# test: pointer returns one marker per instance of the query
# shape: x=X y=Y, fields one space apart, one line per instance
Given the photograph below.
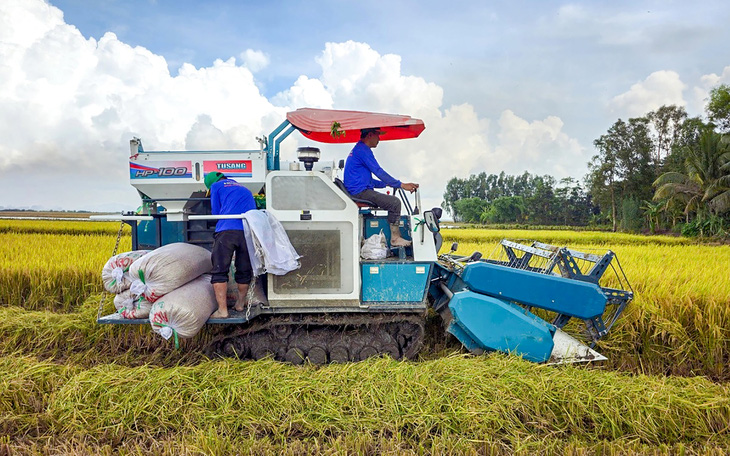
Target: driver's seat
x=360 y=202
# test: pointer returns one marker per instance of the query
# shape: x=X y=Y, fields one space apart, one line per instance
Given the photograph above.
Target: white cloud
x=203 y=135
x=357 y=77
x=305 y=92
x=69 y=105
x=254 y=60
x=539 y=147
x=712 y=80
x=700 y=94
x=456 y=140
x=659 y=88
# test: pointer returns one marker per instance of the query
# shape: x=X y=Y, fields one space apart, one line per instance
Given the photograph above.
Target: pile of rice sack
x=169 y=285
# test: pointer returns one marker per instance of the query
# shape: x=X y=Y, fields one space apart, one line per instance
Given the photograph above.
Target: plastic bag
x=374 y=247
x=268 y=244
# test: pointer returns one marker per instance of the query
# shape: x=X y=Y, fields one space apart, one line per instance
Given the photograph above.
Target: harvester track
x=322 y=339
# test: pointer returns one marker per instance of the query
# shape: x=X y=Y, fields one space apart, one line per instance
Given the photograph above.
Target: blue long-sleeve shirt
x=228 y=197
x=359 y=170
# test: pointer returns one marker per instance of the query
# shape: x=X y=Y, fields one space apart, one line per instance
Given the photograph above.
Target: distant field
x=50 y=214
x=70 y=386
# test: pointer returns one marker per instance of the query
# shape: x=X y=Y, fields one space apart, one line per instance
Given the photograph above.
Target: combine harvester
x=338 y=307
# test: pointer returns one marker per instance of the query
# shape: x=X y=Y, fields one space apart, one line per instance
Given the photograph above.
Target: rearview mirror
x=431 y=222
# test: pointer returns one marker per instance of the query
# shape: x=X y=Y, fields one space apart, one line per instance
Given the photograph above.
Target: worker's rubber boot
x=395 y=239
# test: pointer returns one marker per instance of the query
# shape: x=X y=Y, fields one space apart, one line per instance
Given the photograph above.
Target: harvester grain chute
x=340 y=307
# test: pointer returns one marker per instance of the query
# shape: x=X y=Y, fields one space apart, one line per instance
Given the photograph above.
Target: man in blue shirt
x=359 y=181
x=228 y=197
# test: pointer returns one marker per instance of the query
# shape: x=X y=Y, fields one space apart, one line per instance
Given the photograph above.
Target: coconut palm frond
x=721 y=202
x=671 y=190
x=672 y=177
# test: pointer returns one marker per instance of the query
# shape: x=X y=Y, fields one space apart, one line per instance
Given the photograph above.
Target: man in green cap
x=228 y=197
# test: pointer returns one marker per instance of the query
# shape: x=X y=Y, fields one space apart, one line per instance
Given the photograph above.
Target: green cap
x=212 y=178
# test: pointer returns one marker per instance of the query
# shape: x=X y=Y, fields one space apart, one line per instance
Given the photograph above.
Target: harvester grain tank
x=340 y=307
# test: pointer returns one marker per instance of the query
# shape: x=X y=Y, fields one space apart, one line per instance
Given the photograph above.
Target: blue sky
x=513 y=86
x=493 y=54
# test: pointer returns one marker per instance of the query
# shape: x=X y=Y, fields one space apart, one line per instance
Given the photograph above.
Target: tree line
x=525 y=199
x=658 y=172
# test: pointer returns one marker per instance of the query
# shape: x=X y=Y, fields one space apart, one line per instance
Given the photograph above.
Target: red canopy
x=333 y=126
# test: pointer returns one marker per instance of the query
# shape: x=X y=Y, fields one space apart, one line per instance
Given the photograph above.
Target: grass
x=475 y=398
x=49 y=271
x=560 y=238
x=72 y=227
x=679 y=322
x=76 y=338
x=207 y=443
x=71 y=386
x=463 y=402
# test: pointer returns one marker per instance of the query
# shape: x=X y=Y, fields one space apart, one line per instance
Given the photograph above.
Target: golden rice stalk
x=476 y=398
x=52 y=271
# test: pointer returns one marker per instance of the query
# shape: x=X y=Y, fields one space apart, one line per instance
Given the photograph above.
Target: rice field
x=70 y=386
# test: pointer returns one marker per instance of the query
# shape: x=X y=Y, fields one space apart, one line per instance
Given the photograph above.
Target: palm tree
x=652 y=211
x=718 y=192
x=705 y=188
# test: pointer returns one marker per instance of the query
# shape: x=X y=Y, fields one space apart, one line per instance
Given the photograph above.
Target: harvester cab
x=341 y=307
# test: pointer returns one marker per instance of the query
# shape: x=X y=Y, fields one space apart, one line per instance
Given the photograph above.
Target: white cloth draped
x=268 y=245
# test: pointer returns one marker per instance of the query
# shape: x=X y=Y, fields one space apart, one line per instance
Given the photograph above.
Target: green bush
x=632 y=220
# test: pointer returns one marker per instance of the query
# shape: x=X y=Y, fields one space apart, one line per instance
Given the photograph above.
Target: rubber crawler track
x=322 y=339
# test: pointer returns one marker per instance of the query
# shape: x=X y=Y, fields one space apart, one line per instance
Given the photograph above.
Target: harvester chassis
x=321 y=339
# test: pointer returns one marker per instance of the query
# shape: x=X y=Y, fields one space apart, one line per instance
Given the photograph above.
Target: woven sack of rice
x=130 y=307
x=182 y=312
x=167 y=268
x=115 y=273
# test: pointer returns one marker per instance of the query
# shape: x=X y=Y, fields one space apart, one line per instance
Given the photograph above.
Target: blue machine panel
x=171 y=232
x=394 y=282
x=566 y=296
x=493 y=324
x=373 y=225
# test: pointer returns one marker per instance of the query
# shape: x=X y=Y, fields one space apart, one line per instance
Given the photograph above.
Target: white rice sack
x=115 y=273
x=141 y=309
x=130 y=307
x=182 y=312
x=124 y=300
x=167 y=268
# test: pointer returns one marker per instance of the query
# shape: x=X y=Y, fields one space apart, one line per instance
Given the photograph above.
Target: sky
x=509 y=86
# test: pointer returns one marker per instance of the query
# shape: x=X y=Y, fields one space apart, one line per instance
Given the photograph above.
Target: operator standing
x=360 y=167
x=228 y=197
